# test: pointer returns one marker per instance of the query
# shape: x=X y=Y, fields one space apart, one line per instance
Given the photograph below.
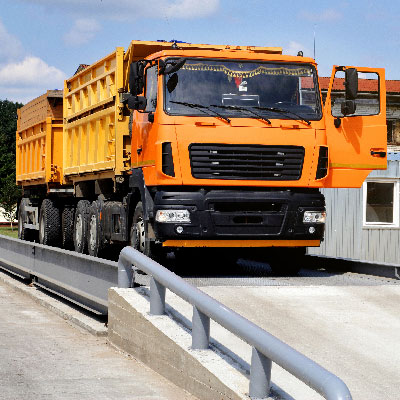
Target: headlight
x=173 y=216
x=314 y=217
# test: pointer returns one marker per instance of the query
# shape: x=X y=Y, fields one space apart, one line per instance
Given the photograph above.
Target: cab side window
x=367 y=101
x=151 y=88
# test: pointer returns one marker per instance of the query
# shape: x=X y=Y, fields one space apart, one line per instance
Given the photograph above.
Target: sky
x=42 y=42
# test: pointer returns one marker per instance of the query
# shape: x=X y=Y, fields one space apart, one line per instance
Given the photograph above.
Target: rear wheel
x=95 y=234
x=81 y=226
x=67 y=227
x=49 y=223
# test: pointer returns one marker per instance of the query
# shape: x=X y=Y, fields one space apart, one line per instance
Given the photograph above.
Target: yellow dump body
x=39 y=141
x=96 y=136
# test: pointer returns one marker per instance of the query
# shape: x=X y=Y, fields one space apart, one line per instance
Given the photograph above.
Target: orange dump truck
x=168 y=146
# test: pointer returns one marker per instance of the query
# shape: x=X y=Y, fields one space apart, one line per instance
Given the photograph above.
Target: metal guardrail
x=80 y=278
x=85 y=280
x=265 y=347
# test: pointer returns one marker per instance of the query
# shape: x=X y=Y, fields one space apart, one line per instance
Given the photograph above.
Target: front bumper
x=240 y=215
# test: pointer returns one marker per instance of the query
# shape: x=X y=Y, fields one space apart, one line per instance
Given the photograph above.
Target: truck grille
x=251 y=162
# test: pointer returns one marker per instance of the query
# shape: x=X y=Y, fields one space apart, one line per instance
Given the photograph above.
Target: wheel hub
x=140 y=236
x=41 y=230
x=79 y=230
x=93 y=233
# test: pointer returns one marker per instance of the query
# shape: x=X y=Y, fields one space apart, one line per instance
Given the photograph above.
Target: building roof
x=364 y=85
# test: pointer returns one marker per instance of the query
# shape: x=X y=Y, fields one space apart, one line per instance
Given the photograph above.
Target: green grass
x=6 y=230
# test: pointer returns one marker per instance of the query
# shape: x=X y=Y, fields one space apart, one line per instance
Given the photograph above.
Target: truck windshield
x=233 y=87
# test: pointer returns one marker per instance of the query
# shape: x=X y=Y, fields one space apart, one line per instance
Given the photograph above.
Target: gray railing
x=265 y=347
x=86 y=280
x=80 y=278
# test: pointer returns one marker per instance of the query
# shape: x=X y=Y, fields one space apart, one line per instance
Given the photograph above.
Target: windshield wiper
x=283 y=111
x=243 y=109
x=202 y=109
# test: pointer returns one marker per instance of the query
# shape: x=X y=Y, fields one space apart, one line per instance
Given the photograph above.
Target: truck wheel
x=287 y=262
x=67 y=227
x=139 y=237
x=49 y=223
x=81 y=226
x=95 y=234
x=24 y=233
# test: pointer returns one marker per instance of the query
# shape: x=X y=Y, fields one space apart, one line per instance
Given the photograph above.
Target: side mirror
x=137 y=102
x=351 y=83
x=171 y=67
x=348 y=107
x=172 y=83
x=136 y=78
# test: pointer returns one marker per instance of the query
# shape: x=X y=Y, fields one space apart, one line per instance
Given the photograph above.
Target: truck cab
x=233 y=149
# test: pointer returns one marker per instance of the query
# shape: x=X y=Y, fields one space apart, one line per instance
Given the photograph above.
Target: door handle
x=378 y=153
x=139 y=150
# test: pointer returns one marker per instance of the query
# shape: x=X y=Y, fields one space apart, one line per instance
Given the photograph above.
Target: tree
x=8 y=126
x=9 y=192
x=9 y=196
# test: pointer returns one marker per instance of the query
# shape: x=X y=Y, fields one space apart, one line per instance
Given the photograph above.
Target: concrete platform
x=354 y=332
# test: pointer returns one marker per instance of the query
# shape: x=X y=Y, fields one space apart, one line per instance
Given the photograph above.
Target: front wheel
x=139 y=238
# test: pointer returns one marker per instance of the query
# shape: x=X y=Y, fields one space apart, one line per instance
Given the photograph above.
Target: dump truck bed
x=39 y=141
x=96 y=136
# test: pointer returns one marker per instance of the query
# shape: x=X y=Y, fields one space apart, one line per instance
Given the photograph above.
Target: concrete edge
x=165 y=346
x=384 y=270
x=68 y=312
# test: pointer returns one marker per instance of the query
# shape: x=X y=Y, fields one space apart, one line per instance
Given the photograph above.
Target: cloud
x=327 y=15
x=30 y=73
x=10 y=47
x=127 y=10
x=83 y=30
x=294 y=47
x=191 y=8
x=24 y=76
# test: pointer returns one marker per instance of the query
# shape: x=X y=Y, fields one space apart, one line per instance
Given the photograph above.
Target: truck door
x=142 y=124
x=357 y=142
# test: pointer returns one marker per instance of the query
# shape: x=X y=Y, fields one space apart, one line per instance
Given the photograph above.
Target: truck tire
x=49 y=223
x=24 y=233
x=81 y=226
x=287 y=262
x=139 y=237
x=67 y=227
x=95 y=232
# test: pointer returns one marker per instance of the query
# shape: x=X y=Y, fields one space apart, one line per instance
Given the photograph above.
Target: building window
x=381 y=203
x=390 y=130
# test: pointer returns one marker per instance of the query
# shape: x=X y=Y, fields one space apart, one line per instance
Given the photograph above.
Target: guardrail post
x=200 y=330
x=157 y=297
x=260 y=375
x=126 y=274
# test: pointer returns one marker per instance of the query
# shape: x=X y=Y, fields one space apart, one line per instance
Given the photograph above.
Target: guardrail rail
x=79 y=278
